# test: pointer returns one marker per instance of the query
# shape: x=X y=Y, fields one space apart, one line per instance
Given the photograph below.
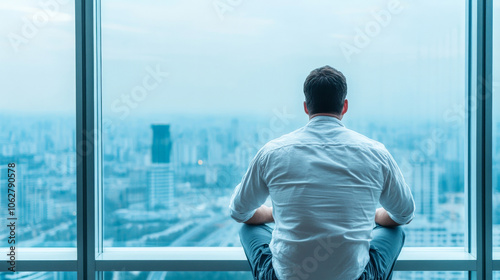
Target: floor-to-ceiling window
x=37 y=124
x=207 y=84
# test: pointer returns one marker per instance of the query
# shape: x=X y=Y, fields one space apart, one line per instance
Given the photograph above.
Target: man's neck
x=325 y=114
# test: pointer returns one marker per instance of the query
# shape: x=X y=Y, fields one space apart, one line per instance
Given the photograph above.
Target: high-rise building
x=162 y=144
x=425 y=182
x=160 y=175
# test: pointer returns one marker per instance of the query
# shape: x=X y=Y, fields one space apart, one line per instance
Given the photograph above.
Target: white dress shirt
x=325 y=182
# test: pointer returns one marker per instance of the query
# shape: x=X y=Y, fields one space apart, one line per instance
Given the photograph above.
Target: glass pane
x=177 y=275
x=430 y=275
x=208 y=85
x=496 y=125
x=39 y=275
x=37 y=121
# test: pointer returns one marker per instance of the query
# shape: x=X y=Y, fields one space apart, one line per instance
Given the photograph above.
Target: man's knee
x=394 y=234
x=247 y=231
x=399 y=234
x=244 y=229
x=403 y=233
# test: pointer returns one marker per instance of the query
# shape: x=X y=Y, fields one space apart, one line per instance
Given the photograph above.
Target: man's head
x=325 y=90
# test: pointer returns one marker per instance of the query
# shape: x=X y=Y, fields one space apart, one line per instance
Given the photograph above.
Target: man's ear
x=305 y=108
x=346 y=106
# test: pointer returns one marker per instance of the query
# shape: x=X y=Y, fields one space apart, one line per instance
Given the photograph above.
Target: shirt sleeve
x=396 y=196
x=250 y=194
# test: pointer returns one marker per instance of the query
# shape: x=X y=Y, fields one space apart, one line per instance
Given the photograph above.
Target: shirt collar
x=323 y=119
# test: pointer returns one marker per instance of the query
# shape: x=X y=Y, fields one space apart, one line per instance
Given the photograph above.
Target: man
x=325 y=182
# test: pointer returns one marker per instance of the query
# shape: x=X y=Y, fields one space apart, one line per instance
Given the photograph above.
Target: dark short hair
x=325 y=89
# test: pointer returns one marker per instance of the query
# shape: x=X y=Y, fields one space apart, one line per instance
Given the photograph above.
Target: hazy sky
x=249 y=58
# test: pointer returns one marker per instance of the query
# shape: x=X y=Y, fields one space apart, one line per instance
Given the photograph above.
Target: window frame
x=89 y=259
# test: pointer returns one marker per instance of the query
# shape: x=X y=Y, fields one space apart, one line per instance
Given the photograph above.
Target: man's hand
x=382 y=218
x=263 y=215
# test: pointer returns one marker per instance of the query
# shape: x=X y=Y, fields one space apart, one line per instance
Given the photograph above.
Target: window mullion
x=481 y=108
x=86 y=128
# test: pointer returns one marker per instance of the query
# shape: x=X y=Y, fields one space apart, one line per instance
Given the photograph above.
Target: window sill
x=233 y=259
x=210 y=259
x=41 y=259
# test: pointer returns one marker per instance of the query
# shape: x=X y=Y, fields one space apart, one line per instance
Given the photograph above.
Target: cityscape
x=167 y=181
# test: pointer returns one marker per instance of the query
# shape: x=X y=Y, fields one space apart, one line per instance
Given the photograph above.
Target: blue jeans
x=385 y=247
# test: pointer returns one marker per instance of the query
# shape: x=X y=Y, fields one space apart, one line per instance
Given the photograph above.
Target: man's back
x=325 y=182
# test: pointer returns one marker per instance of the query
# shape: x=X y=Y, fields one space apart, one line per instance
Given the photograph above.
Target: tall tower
x=161 y=172
x=162 y=144
x=425 y=183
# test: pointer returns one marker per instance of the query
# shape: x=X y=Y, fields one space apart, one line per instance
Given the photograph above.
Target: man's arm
x=382 y=218
x=250 y=195
x=263 y=215
x=396 y=198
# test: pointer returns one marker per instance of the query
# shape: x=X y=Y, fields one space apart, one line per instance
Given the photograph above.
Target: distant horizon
x=298 y=118
x=301 y=117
